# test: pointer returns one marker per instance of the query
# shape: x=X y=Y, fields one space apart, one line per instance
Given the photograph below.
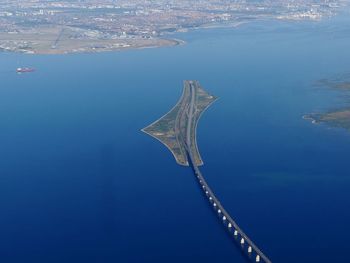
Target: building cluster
x=151 y=18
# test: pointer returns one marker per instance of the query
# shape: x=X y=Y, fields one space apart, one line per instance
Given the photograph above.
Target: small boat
x=24 y=70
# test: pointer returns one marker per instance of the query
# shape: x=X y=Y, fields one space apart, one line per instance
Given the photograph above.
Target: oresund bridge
x=177 y=131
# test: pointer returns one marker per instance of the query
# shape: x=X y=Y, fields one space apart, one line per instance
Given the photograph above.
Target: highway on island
x=182 y=130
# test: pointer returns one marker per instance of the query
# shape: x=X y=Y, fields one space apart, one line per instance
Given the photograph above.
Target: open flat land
x=61 y=40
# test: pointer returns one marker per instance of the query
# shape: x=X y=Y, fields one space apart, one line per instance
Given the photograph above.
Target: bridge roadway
x=250 y=249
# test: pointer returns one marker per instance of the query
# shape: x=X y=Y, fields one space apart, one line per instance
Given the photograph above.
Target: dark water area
x=79 y=182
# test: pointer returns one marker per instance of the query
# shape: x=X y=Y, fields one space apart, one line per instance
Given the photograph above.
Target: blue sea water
x=79 y=182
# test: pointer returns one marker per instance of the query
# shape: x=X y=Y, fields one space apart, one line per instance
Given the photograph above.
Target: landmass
x=172 y=128
x=340 y=83
x=57 y=27
x=62 y=40
x=341 y=116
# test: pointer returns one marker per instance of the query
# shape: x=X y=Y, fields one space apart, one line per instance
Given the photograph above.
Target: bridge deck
x=226 y=218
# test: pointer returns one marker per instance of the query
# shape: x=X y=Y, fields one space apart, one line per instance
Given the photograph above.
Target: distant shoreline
x=110 y=46
x=88 y=46
x=114 y=46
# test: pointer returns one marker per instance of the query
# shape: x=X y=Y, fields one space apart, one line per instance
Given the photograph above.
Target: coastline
x=88 y=46
x=339 y=116
x=165 y=41
x=160 y=42
x=309 y=117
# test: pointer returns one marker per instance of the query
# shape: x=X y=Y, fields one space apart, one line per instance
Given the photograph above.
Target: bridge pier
x=242 y=241
x=235 y=233
x=229 y=225
x=257 y=259
x=249 y=249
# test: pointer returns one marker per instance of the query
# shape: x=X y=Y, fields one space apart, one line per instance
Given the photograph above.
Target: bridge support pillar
x=242 y=241
x=235 y=233
x=229 y=225
x=249 y=249
x=224 y=218
x=257 y=259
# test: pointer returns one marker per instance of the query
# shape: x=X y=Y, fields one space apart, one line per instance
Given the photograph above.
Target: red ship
x=24 y=70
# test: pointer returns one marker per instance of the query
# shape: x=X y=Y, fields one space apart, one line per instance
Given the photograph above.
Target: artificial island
x=172 y=127
x=177 y=131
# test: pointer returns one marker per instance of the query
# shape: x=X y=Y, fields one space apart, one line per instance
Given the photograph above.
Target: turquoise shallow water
x=79 y=182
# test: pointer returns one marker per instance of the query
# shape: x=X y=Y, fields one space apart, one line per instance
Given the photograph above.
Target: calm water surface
x=79 y=182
